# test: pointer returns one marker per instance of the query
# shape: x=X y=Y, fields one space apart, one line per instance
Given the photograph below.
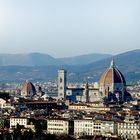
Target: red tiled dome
x=28 y=87
x=112 y=75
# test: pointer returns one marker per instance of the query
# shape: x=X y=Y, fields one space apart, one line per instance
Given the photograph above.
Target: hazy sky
x=69 y=27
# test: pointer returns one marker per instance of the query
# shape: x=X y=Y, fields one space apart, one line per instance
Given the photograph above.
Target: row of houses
x=128 y=129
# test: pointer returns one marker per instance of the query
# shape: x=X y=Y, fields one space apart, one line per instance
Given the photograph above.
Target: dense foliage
x=17 y=134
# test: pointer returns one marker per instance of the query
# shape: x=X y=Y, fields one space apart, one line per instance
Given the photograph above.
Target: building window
x=61 y=80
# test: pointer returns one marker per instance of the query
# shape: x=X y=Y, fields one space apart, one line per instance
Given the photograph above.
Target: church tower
x=87 y=92
x=62 y=80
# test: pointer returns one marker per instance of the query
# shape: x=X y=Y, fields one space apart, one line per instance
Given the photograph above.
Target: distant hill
x=39 y=59
x=128 y=63
x=84 y=59
x=31 y=59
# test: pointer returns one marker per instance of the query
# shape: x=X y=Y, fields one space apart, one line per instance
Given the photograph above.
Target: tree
x=50 y=137
x=38 y=130
x=8 y=136
x=66 y=137
x=17 y=135
x=28 y=135
x=1 y=137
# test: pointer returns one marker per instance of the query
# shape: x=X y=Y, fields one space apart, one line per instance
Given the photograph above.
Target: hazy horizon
x=69 y=28
x=24 y=53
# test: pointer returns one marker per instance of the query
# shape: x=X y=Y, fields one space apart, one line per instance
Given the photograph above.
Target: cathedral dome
x=112 y=75
x=28 y=89
x=112 y=85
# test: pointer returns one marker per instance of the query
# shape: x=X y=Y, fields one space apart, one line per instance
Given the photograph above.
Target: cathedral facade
x=111 y=88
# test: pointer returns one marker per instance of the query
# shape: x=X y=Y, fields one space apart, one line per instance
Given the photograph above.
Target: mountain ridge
x=84 y=59
x=128 y=63
x=42 y=59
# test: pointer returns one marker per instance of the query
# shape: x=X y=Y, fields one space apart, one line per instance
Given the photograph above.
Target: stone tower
x=87 y=92
x=62 y=80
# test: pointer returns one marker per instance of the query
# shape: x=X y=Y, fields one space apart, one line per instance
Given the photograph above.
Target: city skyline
x=69 y=28
x=69 y=69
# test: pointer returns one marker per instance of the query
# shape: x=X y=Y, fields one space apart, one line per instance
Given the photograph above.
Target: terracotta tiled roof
x=28 y=86
x=112 y=75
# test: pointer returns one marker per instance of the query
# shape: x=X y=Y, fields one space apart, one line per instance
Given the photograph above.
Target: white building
x=104 y=128
x=88 y=107
x=2 y=103
x=129 y=129
x=83 y=127
x=5 y=105
x=62 y=84
x=97 y=127
x=108 y=128
x=90 y=127
x=58 y=126
x=21 y=121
